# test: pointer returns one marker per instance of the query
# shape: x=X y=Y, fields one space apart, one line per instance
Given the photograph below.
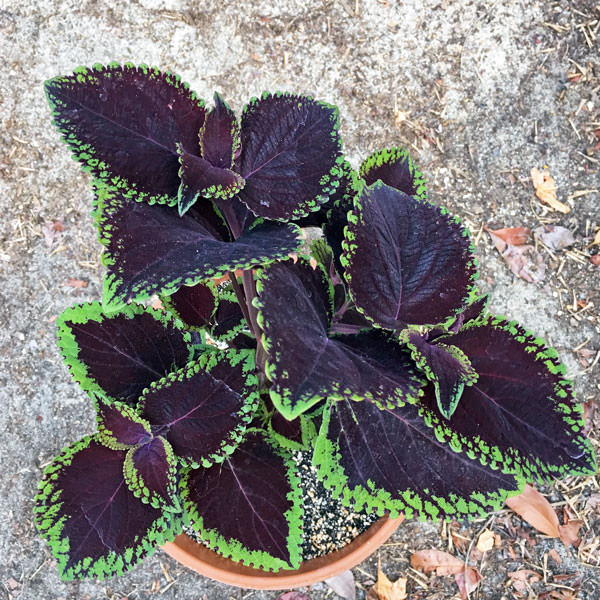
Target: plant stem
x=251 y=293
x=239 y=294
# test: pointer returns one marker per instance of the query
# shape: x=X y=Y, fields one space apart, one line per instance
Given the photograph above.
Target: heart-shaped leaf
x=258 y=485
x=368 y=456
x=199 y=178
x=123 y=123
x=150 y=249
x=291 y=155
x=521 y=407
x=150 y=473
x=119 y=355
x=95 y=526
x=429 y=264
x=305 y=365
x=395 y=168
x=446 y=366
x=203 y=409
x=220 y=135
x=120 y=427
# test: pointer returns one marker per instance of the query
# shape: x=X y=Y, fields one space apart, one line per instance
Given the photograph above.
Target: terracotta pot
x=209 y=563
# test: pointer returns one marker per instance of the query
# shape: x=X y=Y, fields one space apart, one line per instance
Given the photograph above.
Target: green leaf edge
x=393 y=155
x=233 y=548
x=94 y=311
x=164 y=529
x=84 y=154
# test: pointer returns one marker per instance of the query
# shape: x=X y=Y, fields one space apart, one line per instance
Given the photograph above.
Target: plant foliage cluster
x=376 y=352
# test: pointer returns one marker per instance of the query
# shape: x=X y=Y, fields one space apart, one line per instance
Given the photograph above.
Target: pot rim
x=210 y=564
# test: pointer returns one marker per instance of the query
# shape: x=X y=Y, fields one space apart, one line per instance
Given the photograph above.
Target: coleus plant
x=376 y=353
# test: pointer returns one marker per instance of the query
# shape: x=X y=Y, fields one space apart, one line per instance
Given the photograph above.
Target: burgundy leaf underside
x=514 y=402
x=253 y=485
x=289 y=143
x=125 y=355
x=383 y=446
x=428 y=262
x=132 y=119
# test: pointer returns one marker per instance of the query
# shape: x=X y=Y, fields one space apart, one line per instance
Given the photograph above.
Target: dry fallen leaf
x=554 y=236
x=293 y=596
x=343 y=585
x=53 y=231
x=536 y=510
x=522 y=260
x=512 y=235
x=545 y=189
x=439 y=561
x=76 y=283
x=522 y=579
x=386 y=590
x=486 y=541
x=569 y=533
x=467 y=580
x=555 y=556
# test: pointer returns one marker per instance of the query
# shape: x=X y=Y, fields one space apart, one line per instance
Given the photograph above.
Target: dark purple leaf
x=291 y=155
x=123 y=123
x=261 y=493
x=120 y=426
x=150 y=473
x=204 y=409
x=522 y=407
x=200 y=178
x=406 y=260
x=120 y=354
x=403 y=459
x=305 y=365
x=395 y=168
x=95 y=526
x=220 y=135
x=193 y=305
x=445 y=365
x=150 y=249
